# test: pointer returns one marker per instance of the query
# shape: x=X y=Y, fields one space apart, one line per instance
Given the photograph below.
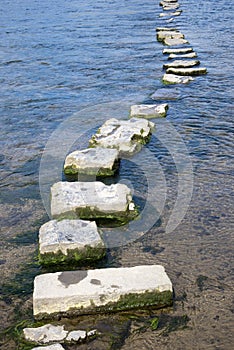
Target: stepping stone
x=149 y=111
x=92 y=161
x=162 y=36
x=92 y=200
x=76 y=336
x=100 y=290
x=175 y=79
x=45 y=334
x=175 y=41
x=178 y=51
x=186 y=55
x=176 y=13
x=187 y=71
x=69 y=241
x=181 y=64
x=127 y=136
x=166 y=29
x=165 y=94
x=169 y=7
x=50 y=347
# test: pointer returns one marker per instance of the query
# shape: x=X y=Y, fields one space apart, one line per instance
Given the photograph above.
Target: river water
x=59 y=57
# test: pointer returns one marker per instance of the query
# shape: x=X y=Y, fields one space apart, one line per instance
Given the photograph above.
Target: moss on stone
x=101 y=172
x=85 y=254
x=129 y=301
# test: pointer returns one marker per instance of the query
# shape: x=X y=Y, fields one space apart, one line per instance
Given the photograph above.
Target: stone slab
x=187 y=71
x=175 y=41
x=176 y=79
x=186 y=55
x=92 y=161
x=70 y=240
x=177 y=50
x=127 y=136
x=45 y=334
x=149 y=111
x=50 y=347
x=100 y=290
x=165 y=94
x=167 y=29
x=163 y=35
x=181 y=64
x=91 y=200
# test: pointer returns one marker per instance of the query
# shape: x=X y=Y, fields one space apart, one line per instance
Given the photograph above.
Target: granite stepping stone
x=187 y=71
x=163 y=35
x=127 y=136
x=100 y=290
x=181 y=64
x=92 y=200
x=186 y=55
x=166 y=29
x=177 y=50
x=69 y=241
x=176 y=79
x=97 y=161
x=149 y=111
x=175 y=41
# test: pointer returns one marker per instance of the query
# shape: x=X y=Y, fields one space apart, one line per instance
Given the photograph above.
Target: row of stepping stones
x=73 y=236
x=183 y=63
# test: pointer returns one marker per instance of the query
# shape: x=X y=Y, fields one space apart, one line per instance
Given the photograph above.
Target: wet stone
x=91 y=200
x=166 y=29
x=175 y=41
x=127 y=136
x=181 y=64
x=149 y=111
x=176 y=79
x=70 y=240
x=138 y=287
x=76 y=336
x=186 y=55
x=45 y=334
x=165 y=94
x=163 y=35
x=92 y=161
x=187 y=71
x=178 y=51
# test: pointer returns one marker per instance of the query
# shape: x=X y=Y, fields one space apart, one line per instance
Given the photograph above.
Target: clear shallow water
x=56 y=58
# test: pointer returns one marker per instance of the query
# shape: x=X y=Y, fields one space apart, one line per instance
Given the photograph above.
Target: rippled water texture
x=57 y=57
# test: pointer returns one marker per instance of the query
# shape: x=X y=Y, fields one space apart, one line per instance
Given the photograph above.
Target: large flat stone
x=181 y=64
x=101 y=290
x=176 y=79
x=187 y=71
x=92 y=161
x=165 y=94
x=186 y=55
x=127 y=136
x=177 y=50
x=149 y=111
x=167 y=29
x=70 y=240
x=91 y=200
x=163 y=35
x=175 y=41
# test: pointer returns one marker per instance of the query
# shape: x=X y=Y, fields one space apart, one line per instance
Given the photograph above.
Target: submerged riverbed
x=59 y=57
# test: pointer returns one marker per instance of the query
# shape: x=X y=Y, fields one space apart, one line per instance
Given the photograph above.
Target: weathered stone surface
x=149 y=111
x=70 y=240
x=178 y=51
x=175 y=41
x=127 y=136
x=169 y=5
x=166 y=29
x=187 y=71
x=181 y=64
x=186 y=55
x=163 y=35
x=76 y=336
x=110 y=289
x=168 y=14
x=92 y=161
x=175 y=79
x=165 y=94
x=45 y=334
x=91 y=200
x=50 y=347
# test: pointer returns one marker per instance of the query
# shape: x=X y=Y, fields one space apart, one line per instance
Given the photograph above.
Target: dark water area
x=59 y=57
